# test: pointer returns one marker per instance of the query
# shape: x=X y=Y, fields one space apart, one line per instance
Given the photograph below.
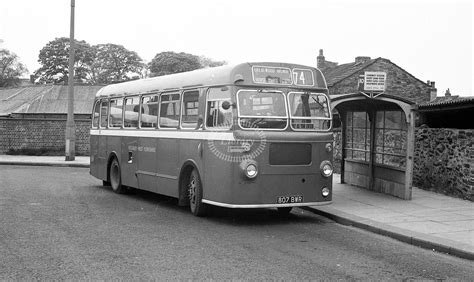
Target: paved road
x=60 y=223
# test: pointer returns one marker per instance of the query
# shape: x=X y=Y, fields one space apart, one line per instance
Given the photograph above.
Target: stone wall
x=41 y=132
x=444 y=161
x=399 y=83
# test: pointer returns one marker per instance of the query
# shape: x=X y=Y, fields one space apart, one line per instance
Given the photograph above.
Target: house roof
x=447 y=102
x=46 y=99
x=335 y=74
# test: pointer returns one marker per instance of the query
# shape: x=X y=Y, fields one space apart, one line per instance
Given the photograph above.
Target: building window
x=391 y=138
x=357 y=145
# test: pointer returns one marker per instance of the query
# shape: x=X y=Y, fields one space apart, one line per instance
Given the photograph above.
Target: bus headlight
x=249 y=168
x=326 y=168
x=325 y=192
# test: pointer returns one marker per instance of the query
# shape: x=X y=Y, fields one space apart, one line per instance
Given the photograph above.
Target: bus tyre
x=284 y=211
x=198 y=208
x=115 y=177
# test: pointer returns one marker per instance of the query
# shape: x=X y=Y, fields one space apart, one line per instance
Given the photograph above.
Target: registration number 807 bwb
x=289 y=199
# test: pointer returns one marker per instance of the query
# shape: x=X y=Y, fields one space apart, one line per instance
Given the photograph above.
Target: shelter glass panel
x=357 y=145
x=391 y=138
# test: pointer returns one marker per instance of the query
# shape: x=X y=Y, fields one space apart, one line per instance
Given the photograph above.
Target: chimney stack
x=361 y=59
x=321 y=60
x=448 y=93
x=433 y=90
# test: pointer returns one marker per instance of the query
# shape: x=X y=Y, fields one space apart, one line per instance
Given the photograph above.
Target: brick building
x=378 y=144
x=377 y=130
x=33 y=118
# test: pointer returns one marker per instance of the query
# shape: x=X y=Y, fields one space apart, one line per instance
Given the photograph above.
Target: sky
x=431 y=39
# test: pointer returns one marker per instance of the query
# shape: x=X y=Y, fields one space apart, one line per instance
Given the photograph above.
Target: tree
x=10 y=68
x=170 y=62
x=54 y=60
x=210 y=63
x=115 y=63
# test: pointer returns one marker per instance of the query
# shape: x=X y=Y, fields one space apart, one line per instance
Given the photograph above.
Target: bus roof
x=241 y=74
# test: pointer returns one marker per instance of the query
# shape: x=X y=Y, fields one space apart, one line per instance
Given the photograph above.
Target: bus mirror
x=226 y=105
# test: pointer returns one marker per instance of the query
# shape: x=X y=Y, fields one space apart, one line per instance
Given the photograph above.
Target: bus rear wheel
x=115 y=177
x=198 y=208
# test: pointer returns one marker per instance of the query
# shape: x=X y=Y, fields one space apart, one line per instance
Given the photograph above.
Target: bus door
x=147 y=144
x=130 y=141
x=167 y=148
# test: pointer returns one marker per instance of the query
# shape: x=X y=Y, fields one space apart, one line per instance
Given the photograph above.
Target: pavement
x=430 y=220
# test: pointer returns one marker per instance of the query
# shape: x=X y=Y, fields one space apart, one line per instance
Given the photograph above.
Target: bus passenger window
x=216 y=115
x=169 y=111
x=103 y=113
x=95 y=115
x=190 y=109
x=115 y=119
x=131 y=109
x=149 y=112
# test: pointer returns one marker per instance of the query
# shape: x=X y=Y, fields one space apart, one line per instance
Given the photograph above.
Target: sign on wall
x=372 y=83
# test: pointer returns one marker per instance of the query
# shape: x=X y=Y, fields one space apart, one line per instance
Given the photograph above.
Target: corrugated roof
x=46 y=99
x=445 y=101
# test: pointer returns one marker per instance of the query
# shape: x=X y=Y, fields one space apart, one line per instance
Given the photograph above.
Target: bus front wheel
x=198 y=208
x=115 y=177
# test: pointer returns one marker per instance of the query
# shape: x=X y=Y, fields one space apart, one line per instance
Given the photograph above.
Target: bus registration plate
x=289 y=199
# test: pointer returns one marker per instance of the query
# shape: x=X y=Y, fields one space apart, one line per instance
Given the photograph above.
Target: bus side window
x=116 y=111
x=149 y=112
x=169 y=111
x=216 y=115
x=131 y=109
x=104 y=105
x=190 y=109
x=95 y=115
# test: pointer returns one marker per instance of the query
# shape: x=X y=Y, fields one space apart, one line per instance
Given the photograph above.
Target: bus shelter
x=377 y=145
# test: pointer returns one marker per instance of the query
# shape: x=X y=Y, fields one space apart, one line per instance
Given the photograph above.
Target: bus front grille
x=290 y=154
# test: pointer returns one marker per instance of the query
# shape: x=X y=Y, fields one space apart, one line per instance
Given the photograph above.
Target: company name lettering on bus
x=142 y=149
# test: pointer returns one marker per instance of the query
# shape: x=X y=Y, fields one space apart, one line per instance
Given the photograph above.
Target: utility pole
x=70 y=125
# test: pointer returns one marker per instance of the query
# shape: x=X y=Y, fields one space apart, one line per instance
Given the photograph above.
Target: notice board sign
x=374 y=81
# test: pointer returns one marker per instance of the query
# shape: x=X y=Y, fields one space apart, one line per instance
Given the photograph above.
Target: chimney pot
x=447 y=93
